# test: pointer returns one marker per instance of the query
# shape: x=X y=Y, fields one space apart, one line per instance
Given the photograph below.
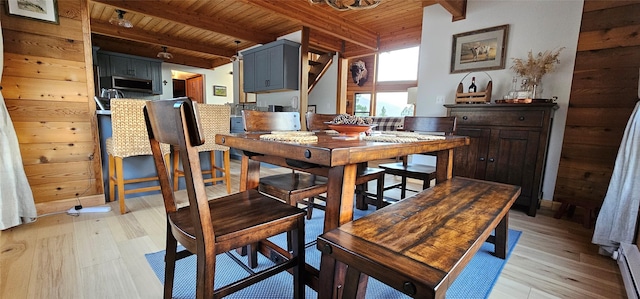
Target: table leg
x=339 y=210
x=444 y=165
x=502 y=234
x=341 y=186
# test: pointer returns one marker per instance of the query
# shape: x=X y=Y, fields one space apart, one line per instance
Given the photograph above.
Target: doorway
x=189 y=85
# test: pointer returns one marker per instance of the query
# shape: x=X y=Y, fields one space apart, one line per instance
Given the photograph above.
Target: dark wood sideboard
x=508 y=145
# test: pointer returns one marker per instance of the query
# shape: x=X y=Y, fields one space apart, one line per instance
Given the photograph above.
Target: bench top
x=427 y=238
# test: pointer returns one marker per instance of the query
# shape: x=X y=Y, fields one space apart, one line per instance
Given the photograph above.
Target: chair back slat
x=317 y=121
x=264 y=121
x=176 y=122
x=446 y=124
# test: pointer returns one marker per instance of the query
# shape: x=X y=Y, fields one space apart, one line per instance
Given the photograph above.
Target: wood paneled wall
x=603 y=94
x=48 y=88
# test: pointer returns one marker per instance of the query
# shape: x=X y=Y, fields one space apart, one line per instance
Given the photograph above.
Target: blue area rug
x=475 y=281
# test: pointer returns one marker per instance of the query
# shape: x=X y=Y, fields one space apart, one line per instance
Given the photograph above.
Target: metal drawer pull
x=521 y=118
x=491 y=160
x=481 y=158
x=465 y=117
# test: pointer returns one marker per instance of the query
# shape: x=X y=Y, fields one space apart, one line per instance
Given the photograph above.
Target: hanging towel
x=16 y=199
x=616 y=221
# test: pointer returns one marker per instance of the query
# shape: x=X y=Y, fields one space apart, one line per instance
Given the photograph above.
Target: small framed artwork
x=220 y=91
x=479 y=50
x=311 y=108
x=42 y=10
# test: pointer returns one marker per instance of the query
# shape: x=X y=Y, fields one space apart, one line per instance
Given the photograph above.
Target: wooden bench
x=418 y=245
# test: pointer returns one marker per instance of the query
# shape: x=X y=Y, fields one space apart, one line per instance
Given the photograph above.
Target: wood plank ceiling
x=203 y=33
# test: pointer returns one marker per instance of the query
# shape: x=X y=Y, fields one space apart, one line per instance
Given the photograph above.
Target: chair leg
x=169 y=263
x=205 y=276
x=112 y=171
x=120 y=184
x=227 y=172
x=403 y=185
x=213 y=167
x=380 y=192
x=176 y=170
x=298 y=252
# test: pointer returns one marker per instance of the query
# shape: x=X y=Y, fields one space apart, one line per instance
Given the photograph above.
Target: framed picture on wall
x=42 y=10
x=479 y=50
x=220 y=91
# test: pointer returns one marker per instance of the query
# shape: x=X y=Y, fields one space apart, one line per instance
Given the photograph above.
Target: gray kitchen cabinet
x=117 y=64
x=237 y=126
x=272 y=67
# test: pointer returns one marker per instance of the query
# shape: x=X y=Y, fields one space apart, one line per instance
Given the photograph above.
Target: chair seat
x=415 y=171
x=293 y=186
x=245 y=215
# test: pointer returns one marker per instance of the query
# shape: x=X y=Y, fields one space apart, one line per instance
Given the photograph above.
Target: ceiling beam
x=135 y=34
x=457 y=8
x=219 y=25
x=138 y=49
x=303 y=11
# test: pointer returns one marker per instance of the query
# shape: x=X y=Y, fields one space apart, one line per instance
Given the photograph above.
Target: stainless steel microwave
x=125 y=83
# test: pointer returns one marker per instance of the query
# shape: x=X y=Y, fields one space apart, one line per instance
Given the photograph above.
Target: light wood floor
x=101 y=255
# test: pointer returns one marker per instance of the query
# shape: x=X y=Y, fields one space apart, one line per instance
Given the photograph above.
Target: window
x=399 y=65
x=363 y=104
x=393 y=104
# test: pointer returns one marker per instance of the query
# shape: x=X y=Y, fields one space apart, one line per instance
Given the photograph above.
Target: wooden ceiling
x=202 y=33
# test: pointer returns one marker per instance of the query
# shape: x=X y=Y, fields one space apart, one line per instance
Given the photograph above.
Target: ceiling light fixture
x=237 y=56
x=343 y=5
x=164 y=54
x=120 y=20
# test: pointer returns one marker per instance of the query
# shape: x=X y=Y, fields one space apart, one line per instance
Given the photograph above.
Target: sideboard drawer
x=512 y=118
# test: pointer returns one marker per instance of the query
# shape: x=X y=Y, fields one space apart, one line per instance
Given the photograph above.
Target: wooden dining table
x=336 y=158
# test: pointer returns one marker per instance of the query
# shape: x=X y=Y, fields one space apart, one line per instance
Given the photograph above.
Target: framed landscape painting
x=43 y=10
x=220 y=91
x=479 y=50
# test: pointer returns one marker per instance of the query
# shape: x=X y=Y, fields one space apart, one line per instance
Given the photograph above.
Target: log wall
x=48 y=89
x=603 y=94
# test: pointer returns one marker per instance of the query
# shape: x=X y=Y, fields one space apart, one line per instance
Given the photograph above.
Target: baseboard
x=65 y=204
x=629 y=263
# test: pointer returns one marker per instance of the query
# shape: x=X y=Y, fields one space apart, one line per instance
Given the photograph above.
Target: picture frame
x=311 y=108
x=41 y=10
x=479 y=50
x=220 y=91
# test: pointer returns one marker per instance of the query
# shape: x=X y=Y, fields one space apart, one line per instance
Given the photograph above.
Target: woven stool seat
x=214 y=119
x=129 y=139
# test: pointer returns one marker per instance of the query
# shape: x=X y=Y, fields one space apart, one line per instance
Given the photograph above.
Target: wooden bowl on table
x=350 y=130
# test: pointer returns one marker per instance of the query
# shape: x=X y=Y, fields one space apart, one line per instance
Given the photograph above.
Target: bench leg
x=501 y=232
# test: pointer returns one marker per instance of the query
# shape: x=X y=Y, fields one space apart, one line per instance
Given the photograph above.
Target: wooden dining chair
x=215 y=119
x=295 y=187
x=425 y=173
x=206 y=227
x=318 y=122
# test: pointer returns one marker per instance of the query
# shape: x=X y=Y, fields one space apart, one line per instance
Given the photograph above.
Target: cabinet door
x=276 y=68
x=155 y=71
x=104 y=65
x=120 y=66
x=140 y=68
x=471 y=161
x=262 y=70
x=512 y=160
x=249 y=72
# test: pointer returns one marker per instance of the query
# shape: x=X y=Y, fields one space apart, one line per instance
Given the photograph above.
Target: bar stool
x=215 y=119
x=129 y=139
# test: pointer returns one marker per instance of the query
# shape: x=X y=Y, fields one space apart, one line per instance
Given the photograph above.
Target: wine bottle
x=472 y=87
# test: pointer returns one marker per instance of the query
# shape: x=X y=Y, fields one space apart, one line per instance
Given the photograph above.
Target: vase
x=534 y=85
